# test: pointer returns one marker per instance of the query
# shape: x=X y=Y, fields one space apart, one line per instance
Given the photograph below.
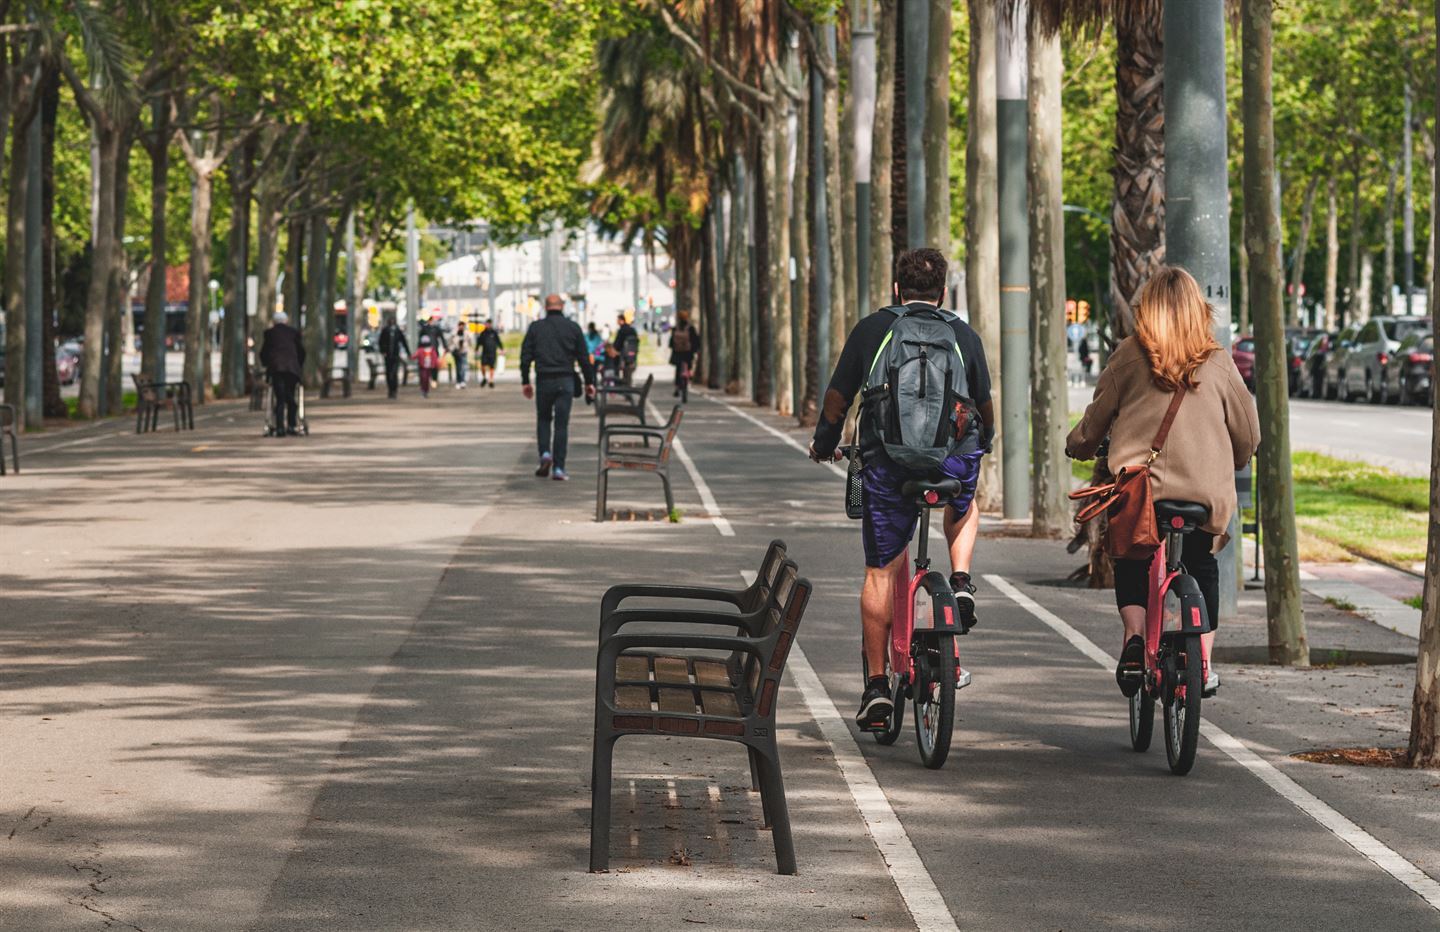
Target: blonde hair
x=1174 y=326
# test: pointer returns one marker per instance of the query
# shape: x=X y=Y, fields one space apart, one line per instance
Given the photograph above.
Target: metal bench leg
x=600 y=803
x=755 y=774
x=669 y=495
x=14 y=451
x=602 y=488
x=773 y=793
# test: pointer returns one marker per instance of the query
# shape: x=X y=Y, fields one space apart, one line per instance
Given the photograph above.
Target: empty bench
x=639 y=456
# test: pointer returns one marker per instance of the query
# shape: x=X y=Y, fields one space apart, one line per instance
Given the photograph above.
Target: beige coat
x=1215 y=432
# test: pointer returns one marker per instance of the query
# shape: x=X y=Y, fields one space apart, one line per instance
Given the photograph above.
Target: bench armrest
x=616 y=594
x=743 y=624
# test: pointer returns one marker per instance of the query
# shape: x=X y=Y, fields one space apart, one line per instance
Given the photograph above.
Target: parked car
x=1375 y=341
x=1243 y=352
x=1408 y=376
x=1335 y=359
x=1297 y=342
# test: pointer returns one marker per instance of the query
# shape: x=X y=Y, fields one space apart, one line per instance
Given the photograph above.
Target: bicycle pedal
x=881 y=725
x=962 y=678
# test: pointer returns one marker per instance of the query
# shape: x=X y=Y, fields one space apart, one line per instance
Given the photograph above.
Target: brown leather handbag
x=1128 y=502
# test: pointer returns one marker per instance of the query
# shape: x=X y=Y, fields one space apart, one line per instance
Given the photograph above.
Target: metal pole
x=820 y=219
x=862 y=84
x=635 y=281
x=490 y=279
x=412 y=278
x=1012 y=122
x=34 y=275
x=1409 y=242
x=1197 y=209
x=916 y=24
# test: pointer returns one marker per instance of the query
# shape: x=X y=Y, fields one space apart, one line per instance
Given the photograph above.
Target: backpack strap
x=1164 y=432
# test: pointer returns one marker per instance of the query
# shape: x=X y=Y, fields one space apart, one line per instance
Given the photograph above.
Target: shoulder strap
x=1164 y=432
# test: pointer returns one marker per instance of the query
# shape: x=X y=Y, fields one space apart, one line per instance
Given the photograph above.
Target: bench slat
x=712 y=673
x=632 y=667
x=720 y=703
x=632 y=698
x=671 y=670
x=677 y=700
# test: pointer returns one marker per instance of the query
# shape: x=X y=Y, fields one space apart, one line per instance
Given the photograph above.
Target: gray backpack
x=916 y=402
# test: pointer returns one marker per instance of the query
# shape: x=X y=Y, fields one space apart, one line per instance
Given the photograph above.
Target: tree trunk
x=1425 y=707
x=1387 y=224
x=1367 y=286
x=1286 y=623
x=742 y=244
x=1244 y=310
x=197 y=314
x=118 y=299
x=267 y=263
x=152 y=349
x=294 y=297
x=982 y=222
x=234 y=348
x=764 y=283
x=802 y=348
x=1138 y=222
x=899 y=166
x=1049 y=395
x=54 y=404
x=780 y=209
x=1332 y=256
x=709 y=360
x=937 y=129
x=15 y=272
x=315 y=312
x=101 y=262
x=838 y=186
x=1352 y=288
x=331 y=290
x=1302 y=246
x=883 y=157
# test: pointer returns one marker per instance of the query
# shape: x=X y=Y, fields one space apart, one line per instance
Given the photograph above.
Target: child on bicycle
x=890 y=517
x=427 y=358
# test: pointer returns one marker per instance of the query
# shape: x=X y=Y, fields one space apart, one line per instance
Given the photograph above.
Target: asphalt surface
x=345 y=682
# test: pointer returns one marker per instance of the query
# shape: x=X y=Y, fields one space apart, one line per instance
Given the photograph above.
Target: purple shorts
x=890 y=517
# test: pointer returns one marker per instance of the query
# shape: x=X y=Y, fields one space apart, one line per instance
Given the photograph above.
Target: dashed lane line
x=1384 y=857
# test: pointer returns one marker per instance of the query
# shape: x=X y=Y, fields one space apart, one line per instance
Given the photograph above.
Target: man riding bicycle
x=889 y=516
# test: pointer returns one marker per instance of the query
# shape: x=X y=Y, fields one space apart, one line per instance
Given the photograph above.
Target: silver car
x=1363 y=367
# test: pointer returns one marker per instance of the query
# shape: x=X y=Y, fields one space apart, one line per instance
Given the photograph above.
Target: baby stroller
x=273 y=427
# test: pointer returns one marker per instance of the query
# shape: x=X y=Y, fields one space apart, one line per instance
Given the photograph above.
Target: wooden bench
x=151 y=397
x=622 y=401
x=672 y=683
x=257 y=389
x=8 y=423
x=637 y=456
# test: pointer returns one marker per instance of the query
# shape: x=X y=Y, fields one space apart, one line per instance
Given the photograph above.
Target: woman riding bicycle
x=684 y=345
x=1173 y=346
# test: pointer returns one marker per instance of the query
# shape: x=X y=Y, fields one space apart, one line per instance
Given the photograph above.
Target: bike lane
x=1043 y=816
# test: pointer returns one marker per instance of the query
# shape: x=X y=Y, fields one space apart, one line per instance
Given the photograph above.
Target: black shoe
x=875 y=705
x=964 y=590
x=1130 y=671
x=545 y=463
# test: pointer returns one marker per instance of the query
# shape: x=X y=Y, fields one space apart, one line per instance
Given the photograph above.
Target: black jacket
x=393 y=344
x=555 y=344
x=282 y=350
x=623 y=336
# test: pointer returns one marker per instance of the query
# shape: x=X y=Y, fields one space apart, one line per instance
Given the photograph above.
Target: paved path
x=344 y=682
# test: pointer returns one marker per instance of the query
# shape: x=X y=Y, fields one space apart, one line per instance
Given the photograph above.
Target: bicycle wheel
x=897 y=715
x=1142 y=719
x=935 y=701
x=1182 y=713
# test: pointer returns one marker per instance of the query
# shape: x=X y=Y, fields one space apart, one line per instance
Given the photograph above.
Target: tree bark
x=838 y=186
x=1352 y=286
x=1425 y=706
x=899 y=167
x=982 y=222
x=882 y=158
x=1286 y=623
x=22 y=110
x=937 y=129
x=1332 y=256
x=1367 y=287
x=118 y=291
x=742 y=244
x=710 y=326
x=1387 y=224
x=1049 y=418
x=197 y=314
x=101 y=262
x=1302 y=246
x=54 y=405
x=780 y=208
x=234 y=341
x=315 y=313
x=1138 y=222
x=152 y=348
x=765 y=285
x=1244 y=309
x=802 y=347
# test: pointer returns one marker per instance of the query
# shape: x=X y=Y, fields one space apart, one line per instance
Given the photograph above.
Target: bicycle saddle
x=1172 y=515
x=944 y=489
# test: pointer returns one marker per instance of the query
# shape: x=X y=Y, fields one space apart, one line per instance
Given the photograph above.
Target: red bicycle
x=924 y=663
x=1176 y=661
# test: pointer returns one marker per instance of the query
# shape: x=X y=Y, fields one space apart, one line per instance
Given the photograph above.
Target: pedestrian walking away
x=488 y=344
x=958 y=402
x=282 y=353
x=1173 y=350
x=427 y=360
x=460 y=350
x=684 y=347
x=393 y=348
x=554 y=344
x=626 y=348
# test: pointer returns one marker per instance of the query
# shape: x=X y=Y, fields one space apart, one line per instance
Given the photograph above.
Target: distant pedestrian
x=627 y=348
x=594 y=342
x=684 y=346
x=1083 y=351
x=282 y=353
x=460 y=350
x=427 y=359
x=489 y=345
x=555 y=345
x=393 y=348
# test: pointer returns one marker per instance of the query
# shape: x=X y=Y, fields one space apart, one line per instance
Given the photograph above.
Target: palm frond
x=107 y=56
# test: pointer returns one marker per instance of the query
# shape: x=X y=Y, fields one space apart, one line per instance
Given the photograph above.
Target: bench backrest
x=645 y=390
x=787 y=607
x=671 y=428
x=759 y=591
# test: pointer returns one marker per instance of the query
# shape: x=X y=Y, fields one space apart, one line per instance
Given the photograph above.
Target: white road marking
x=1381 y=855
x=706 y=498
x=781 y=435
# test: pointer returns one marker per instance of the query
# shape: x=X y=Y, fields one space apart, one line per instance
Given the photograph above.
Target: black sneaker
x=1130 y=671
x=875 y=705
x=545 y=463
x=964 y=590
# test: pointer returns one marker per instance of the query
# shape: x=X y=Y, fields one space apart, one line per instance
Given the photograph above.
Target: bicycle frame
x=1164 y=571
x=902 y=617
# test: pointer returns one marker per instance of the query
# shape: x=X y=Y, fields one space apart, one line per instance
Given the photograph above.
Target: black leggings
x=1132 y=583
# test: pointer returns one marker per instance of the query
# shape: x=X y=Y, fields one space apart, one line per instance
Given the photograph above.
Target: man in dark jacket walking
x=282 y=353
x=393 y=347
x=554 y=344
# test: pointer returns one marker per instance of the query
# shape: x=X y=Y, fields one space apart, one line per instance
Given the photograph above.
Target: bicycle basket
x=854 y=490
